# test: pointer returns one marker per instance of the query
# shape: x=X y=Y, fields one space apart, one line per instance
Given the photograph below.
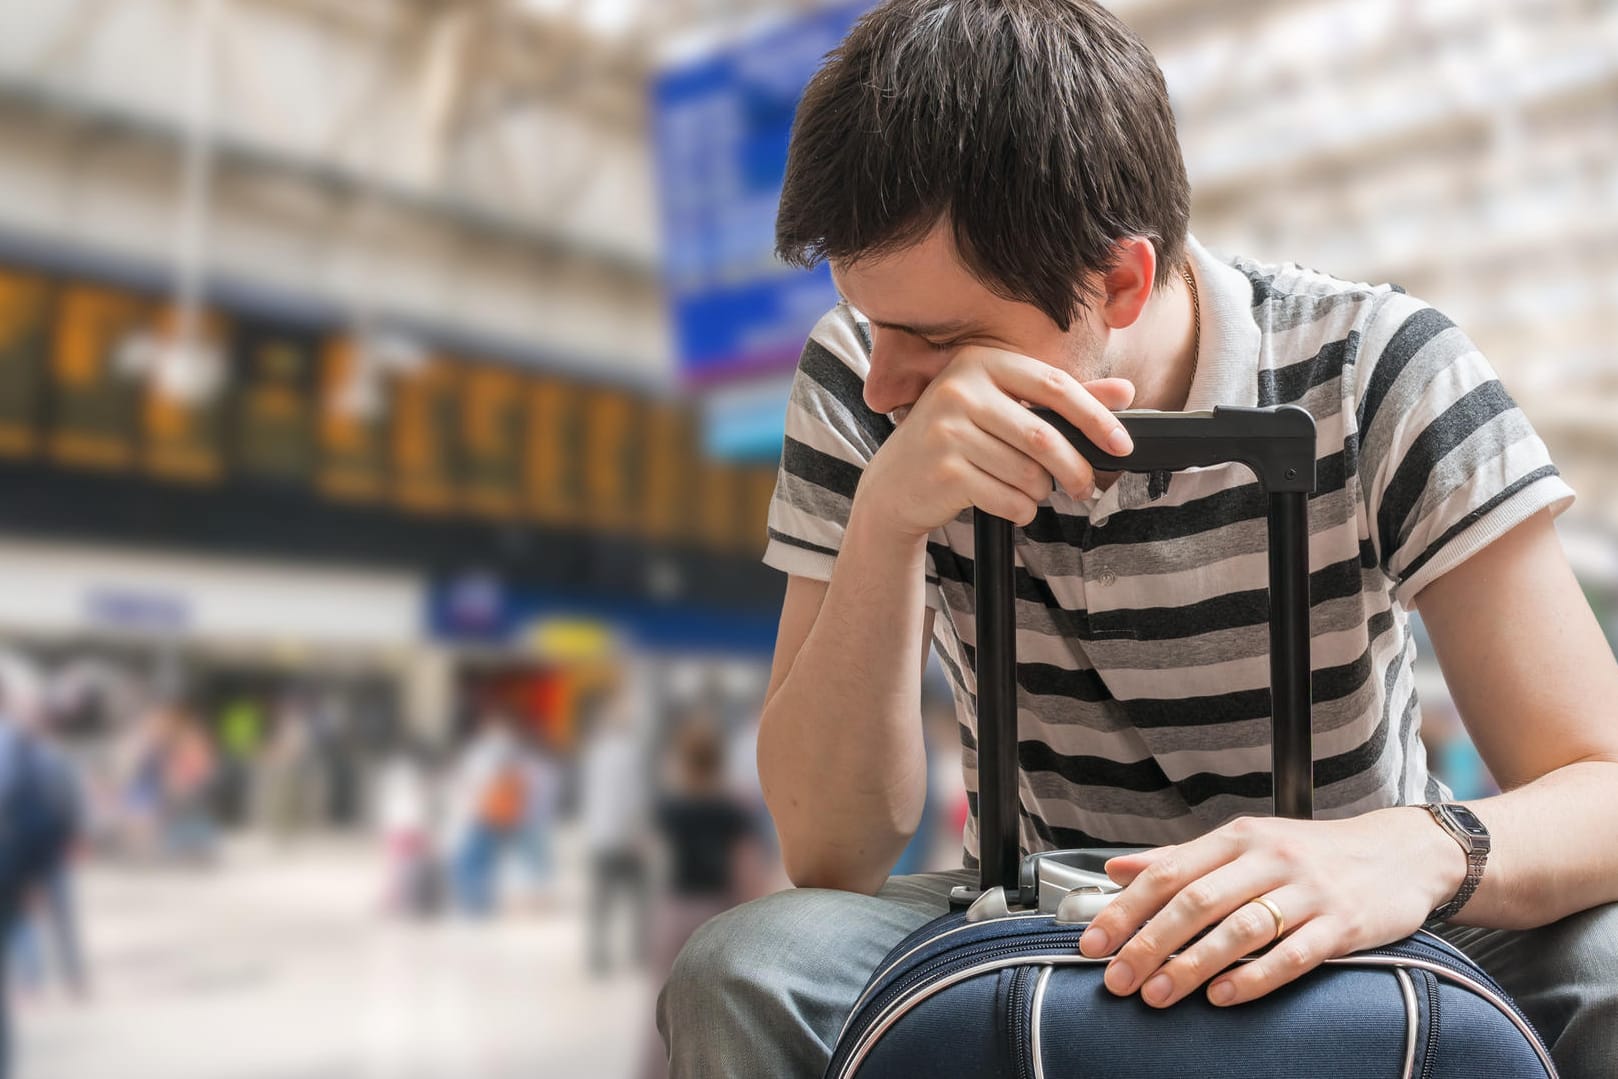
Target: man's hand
x=1341 y=886
x=970 y=440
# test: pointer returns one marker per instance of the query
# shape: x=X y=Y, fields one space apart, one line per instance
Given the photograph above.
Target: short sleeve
x=1447 y=461
x=830 y=437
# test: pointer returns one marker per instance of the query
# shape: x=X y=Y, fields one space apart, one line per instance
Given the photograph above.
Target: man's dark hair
x=1040 y=129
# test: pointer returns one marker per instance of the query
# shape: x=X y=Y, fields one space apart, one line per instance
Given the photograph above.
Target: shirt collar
x=1228 y=353
x=1227 y=371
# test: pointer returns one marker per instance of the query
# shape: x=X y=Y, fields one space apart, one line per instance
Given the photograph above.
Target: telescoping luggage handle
x=1278 y=444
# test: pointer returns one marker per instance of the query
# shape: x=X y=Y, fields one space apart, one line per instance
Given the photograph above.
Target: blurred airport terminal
x=390 y=401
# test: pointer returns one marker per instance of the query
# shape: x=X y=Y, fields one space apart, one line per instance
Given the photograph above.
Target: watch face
x=1467 y=820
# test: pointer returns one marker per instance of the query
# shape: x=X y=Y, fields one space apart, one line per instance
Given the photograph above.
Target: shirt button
x=1108 y=579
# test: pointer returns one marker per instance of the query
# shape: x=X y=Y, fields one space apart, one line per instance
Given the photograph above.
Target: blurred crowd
x=645 y=823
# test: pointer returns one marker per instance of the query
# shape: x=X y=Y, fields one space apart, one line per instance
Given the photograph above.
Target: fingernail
x=1222 y=993
x=1094 y=942
x=1120 y=443
x=1119 y=977
x=1158 y=989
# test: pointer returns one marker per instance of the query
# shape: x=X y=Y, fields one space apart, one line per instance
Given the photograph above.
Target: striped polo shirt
x=1142 y=613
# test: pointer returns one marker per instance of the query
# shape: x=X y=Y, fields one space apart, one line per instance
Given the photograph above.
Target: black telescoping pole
x=999 y=852
x=1291 y=764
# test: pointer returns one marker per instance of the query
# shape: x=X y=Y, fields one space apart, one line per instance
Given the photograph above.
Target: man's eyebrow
x=932 y=329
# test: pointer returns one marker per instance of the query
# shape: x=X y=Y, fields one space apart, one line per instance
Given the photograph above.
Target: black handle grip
x=1278 y=444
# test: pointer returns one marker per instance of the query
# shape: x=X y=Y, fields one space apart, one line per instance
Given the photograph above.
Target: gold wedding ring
x=1275 y=912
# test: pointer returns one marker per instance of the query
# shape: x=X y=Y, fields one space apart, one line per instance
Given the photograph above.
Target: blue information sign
x=721 y=127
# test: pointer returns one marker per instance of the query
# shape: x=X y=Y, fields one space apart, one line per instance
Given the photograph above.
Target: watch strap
x=1476 y=857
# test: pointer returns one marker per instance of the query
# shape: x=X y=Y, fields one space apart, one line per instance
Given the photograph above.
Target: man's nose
x=897 y=377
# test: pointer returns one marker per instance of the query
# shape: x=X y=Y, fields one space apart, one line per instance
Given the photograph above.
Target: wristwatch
x=1465 y=828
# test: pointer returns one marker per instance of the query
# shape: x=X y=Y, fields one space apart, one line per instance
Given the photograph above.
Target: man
x=38 y=817
x=998 y=187
x=615 y=772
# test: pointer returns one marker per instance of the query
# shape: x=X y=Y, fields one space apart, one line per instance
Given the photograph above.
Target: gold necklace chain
x=1196 y=318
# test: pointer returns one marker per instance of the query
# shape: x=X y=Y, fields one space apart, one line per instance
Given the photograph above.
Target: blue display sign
x=481 y=610
x=721 y=127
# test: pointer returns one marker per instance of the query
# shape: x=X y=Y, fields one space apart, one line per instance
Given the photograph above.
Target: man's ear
x=1128 y=285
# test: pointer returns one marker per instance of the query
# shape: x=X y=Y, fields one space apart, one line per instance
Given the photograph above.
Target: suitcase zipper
x=1412 y=1021
x=1038 y=1010
x=983 y=951
x=1381 y=957
x=1430 y=1061
x=1437 y=959
x=876 y=979
x=897 y=1009
x=1018 y=1008
x=977 y=959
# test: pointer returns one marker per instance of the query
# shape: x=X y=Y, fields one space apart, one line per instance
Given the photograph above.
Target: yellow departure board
x=25 y=326
x=758 y=487
x=89 y=379
x=719 y=512
x=181 y=411
x=552 y=465
x=352 y=405
x=492 y=422
x=667 y=453
x=611 y=460
x=96 y=377
x=276 y=403
x=424 y=429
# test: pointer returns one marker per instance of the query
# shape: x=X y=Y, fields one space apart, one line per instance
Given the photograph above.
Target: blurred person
x=332 y=737
x=404 y=819
x=90 y=695
x=138 y=771
x=714 y=855
x=167 y=770
x=542 y=806
x=47 y=939
x=490 y=803
x=999 y=190
x=289 y=796
x=614 y=803
x=190 y=773
x=38 y=822
x=241 y=738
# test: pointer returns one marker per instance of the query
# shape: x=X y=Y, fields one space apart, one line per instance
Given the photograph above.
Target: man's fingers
x=993 y=495
x=1151 y=890
x=1126 y=867
x=1006 y=464
x=1021 y=430
x=1245 y=926
x=1217 y=897
x=1039 y=383
x=1294 y=955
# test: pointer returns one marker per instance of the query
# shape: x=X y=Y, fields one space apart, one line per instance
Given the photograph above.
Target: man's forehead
x=911 y=299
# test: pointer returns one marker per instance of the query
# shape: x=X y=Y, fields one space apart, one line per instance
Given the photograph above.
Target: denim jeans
x=475 y=869
x=763 y=989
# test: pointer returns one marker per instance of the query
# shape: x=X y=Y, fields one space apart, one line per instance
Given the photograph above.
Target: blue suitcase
x=1000 y=988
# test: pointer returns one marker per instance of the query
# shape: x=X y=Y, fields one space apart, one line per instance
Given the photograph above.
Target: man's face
x=924 y=305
